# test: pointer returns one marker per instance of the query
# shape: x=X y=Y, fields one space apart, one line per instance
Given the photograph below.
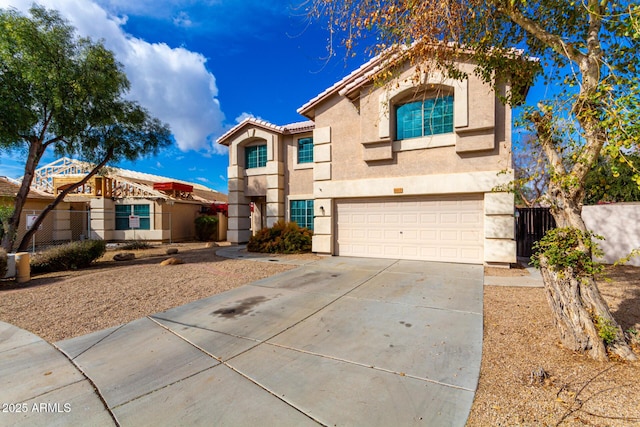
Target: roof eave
x=225 y=139
x=308 y=109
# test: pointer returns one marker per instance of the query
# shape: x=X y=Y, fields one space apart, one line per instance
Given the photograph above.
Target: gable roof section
x=352 y=82
x=289 y=129
x=9 y=188
x=141 y=182
x=347 y=84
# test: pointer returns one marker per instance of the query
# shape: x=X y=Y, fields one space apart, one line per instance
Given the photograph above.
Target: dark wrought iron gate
x=531 y=225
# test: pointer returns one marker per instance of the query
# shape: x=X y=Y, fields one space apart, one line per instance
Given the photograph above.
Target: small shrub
x=135 y=245
x=560 y=247
x=3 y=263
x=71 y=256
x=206 y=228
x=283 y=237
x=606 y=331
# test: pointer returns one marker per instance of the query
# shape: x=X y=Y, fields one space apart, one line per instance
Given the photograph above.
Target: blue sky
x=202 y=66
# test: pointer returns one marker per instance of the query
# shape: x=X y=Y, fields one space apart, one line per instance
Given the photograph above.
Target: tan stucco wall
x=45 y=234
x=367 y=162
x=619 y=224
x=355 y=155
x=183 y=216
x=353 y=124
x=298 y=178
x=179 y=218
x=246 y=184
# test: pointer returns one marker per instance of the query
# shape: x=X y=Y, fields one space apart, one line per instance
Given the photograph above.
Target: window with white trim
x=302 y=213
x=305 y=150
x=429 y=116
x=124 y=211
x=255 y=156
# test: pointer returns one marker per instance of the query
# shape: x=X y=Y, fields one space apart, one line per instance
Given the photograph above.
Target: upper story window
x=305 y=150
x=431 y=116
x=255 y=156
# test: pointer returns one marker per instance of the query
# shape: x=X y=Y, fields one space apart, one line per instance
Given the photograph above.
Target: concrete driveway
x=342 y=341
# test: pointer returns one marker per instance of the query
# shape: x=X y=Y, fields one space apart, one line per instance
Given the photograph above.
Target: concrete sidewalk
x=340 y=341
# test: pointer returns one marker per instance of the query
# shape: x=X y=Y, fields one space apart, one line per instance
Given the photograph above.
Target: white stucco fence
x=619 y=224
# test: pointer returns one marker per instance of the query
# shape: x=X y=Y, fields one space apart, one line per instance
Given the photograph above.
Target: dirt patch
x=528 y=379
x=516 y=271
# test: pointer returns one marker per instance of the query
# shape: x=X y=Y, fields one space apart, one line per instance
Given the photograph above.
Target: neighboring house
x=36 y=201
x=164 y=208
x=402 y=171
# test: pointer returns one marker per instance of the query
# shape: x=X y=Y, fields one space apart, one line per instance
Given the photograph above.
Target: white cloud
x=172 y=83
x=245 y=115
x=183 y=20
x=201 y=179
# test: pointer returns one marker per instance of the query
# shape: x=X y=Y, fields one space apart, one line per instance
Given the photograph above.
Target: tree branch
x=542 y=123
x=24 y=243
x=552 y=40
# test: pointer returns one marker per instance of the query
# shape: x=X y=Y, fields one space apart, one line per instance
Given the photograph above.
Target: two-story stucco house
x=407 y=170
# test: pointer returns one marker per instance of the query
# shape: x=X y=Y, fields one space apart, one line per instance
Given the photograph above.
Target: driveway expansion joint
x=224 y=363
x=95 y=387
x=366 y=365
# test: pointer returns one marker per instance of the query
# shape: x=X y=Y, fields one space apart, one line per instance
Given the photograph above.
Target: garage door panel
x=471 y=219
x=376 y=234
x=471 y=236
x=449 y=218
x=374 y=219
x=439 y=229
x=391 y=234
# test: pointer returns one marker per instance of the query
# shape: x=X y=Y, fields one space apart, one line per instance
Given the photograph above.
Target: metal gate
x=531 y=226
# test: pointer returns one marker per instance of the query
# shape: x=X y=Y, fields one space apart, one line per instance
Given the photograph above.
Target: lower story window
x=302 y=213
x=124 y=211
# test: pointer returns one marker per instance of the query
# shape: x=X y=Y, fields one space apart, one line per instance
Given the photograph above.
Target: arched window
x=432 y=115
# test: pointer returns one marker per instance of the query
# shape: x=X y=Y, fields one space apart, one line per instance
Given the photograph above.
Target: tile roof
x=249 y=120
x=299 y=127
x=359 y=75
x=365 y=72
x=291 y=128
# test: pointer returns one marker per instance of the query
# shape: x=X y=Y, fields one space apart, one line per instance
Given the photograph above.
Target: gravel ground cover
x=526 y=378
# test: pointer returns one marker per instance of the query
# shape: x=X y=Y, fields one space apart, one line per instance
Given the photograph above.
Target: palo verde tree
x=64 y=93
x=586 y=50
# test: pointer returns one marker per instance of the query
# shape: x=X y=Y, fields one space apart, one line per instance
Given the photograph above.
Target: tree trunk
x=575 y=300
x=24 y=243
x=36 y=149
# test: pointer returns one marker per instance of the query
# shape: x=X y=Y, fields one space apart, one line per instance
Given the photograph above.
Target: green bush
x=136 y=244
x=283 y=238
x=71 y=256
x=207 y=228
x=3 y=263
x=561 y=248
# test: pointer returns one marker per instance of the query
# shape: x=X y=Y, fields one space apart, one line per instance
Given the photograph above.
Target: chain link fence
x=59 y=227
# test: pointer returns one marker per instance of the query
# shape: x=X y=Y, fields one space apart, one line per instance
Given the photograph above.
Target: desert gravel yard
x=63 y=305
x=520 y=343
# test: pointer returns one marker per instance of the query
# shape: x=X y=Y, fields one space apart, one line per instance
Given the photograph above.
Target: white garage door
x=448 y=229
